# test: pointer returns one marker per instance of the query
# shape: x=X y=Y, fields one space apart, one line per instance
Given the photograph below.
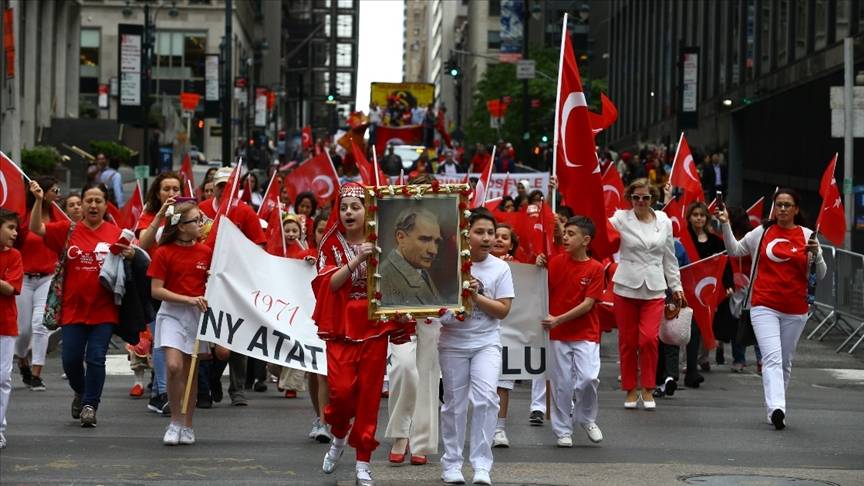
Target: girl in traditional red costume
x=356 y=346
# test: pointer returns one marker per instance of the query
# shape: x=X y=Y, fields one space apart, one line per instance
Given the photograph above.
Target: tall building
x=415 y=44
x=748 y=78
x=321 y=62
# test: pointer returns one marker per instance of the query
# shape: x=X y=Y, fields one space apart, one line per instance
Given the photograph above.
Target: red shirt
x=781 y=276
x=570 y=283
x=37 y=257
x=11 y=271
x=480 y=162
x=242 y=215
x=85 y=301
x=143 y=222
x=183 y=269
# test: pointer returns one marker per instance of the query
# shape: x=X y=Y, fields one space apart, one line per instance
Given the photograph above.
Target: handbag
x=675 y=329
x=54 y=301
x=744 y=335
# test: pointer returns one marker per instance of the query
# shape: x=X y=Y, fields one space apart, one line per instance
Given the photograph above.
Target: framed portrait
x=423 y=263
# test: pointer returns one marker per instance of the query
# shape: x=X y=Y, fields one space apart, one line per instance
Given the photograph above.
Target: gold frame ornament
x=459 y=193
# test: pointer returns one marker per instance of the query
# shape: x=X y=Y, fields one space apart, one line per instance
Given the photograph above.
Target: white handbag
x=676 y=331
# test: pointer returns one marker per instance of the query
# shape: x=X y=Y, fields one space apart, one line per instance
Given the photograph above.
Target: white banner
x=523 y=339
x=261 y=305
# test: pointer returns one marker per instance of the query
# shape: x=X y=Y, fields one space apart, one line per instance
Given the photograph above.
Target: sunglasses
x=784 y=205
x=55 y=190
x=640 y=197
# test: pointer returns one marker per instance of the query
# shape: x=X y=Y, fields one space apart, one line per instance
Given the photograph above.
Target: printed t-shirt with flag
x=241 y=215
x=781 y=276
x=12 y=271
x=84 y=300
x=37 y=257
x=570 y=283
x=832 y=216
x=702 y=281
x=183 y=269
x=12 y=191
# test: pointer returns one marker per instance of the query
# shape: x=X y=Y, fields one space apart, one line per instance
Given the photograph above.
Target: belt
x=36 y=275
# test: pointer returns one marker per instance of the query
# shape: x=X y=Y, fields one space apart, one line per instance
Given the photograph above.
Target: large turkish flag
x=316 y=175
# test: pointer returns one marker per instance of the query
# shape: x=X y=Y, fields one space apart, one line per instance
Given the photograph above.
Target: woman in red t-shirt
x=39 y=265
x=161 y=195
x=785 y=249
x=71 y=205
x=88 y=313
x=179 y=274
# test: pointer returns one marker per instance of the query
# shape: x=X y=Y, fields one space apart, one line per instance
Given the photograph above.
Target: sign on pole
x=838 y=123
x=130 y=59
x=526 y=69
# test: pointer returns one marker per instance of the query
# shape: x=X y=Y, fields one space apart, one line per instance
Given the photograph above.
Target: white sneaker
x=187 y=436
x=2 y=441
x=364 y=477
x=172 y=434
x=481 y=476
x=500 y=439
x=453 y=476
x=565 y=441
x=314 y=431
x=323 y=435
x=593 y=432
x=332 y=458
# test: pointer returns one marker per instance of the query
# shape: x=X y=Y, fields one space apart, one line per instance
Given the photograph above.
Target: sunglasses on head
x=641 y=197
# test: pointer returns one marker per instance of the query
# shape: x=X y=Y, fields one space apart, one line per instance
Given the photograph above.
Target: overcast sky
x=380 y=56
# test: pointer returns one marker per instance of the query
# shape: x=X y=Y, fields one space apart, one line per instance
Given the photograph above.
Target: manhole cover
x=751 y=480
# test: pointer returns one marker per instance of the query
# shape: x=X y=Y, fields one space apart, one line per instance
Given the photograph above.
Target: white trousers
x=32 y=335
x=469 y=375
x=538 y=394
x=574 y=368
x=413 y=403
x=7 y=347
x=777 y=335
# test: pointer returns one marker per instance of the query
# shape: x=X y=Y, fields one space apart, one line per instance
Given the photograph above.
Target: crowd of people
x=76 y=241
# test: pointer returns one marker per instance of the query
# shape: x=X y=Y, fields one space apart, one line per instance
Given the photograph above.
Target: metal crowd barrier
x=840 y=298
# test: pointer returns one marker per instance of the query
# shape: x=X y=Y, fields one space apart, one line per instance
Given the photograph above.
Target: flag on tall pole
x=478 y=197
x=684 y=173
x=832 y=216
x=575 y=160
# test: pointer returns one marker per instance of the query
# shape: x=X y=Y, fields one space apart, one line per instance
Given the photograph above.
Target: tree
x=499 y=81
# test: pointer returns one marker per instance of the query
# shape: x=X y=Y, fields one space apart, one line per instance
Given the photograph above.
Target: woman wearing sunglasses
x=646 y=268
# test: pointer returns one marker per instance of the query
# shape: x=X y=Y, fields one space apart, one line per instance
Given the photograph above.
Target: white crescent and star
x=675 y=222
x=769 y=250
x=705 y=282
x=329 y=184
x=574 y=100
x=4 y=189
x=688 y=164
x=754 y=220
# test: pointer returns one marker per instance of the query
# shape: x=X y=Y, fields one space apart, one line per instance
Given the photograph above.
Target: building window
x=345 y=4
x=820 y=18
x=344 y=55
x=801 y=19
x=179 y=55
x=90 y=43
x=765 y=39
x=345 y=26
x=344 y=84
x=320 y=54
x=494 y=8
x=782 y=35
x=493 y=39
x=321 y=83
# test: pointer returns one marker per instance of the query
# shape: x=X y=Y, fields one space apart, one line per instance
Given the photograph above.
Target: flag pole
x=28 y=179
x=557 y=134
x=375 y=165
x=675 y=159
x=488 y=182
x=282 y=231
x=193 y=368
x=269 y=184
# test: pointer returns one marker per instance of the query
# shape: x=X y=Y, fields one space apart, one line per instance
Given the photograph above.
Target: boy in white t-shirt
x=470 y=356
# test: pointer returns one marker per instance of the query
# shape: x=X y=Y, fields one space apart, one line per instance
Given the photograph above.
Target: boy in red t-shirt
x=575 y=283
x=11 y=277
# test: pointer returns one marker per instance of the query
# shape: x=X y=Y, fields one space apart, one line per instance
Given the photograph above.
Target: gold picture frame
x=422 y=266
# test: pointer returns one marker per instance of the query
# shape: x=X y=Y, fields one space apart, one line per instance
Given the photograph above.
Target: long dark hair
x=45 y=182
x=153 y=204
x=799 y=219
x=306 y=195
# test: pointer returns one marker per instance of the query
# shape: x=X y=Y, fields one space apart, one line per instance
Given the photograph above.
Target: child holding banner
x=356 y=346
x=11 y=279
x=179 y=274
x=505 y=247
x=470 y=356
x=575 y=283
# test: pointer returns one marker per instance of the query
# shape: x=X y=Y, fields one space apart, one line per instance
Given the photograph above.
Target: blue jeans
x=160 y=373
x=86 y=343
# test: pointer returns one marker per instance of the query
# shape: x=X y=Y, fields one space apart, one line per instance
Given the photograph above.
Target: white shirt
x=480 y=329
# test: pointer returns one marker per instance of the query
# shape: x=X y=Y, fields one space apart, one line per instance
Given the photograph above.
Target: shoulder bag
x=744 y=335
x=54 y=302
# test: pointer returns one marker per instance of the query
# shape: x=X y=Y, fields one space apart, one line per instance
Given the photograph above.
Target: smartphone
x=721 y=205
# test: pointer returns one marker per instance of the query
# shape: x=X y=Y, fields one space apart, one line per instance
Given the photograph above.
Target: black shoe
x=693 y=381
x=719 y=355
x=658 y=393
x=671 y=386
x=76 y=407
x=536 y=418
x=159 y=404
x=260 y=386
x=706 y=366
x=204 y=401
x=778 y=418
x=216 y=391
x=26 y=375
x=36 y=384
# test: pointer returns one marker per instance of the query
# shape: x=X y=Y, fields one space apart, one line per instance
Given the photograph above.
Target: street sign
x=215 y=130
x=142 y=171
x=525 y=69
x=838 y=121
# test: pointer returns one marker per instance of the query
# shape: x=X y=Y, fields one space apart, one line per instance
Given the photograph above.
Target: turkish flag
x=534 y=225
x=713 y=206
x=755 y=212
x=613 y=191
x=702 y=281
x=607 y=116
x=407 y=135
x=352 y=136
x=186 y=174
x=271 y=198
x=684 y=173
x=440 y=125
x=275 y=235
x=369 y=172
x=675 y=209
x=12 y=191
x=317 y=175
x=478 y=197
x=130 y=213
x=575 y=159
x=306 y=137
x=832 y=216
x=246 y=193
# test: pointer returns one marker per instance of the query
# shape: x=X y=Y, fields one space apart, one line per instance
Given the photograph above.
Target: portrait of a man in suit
x=405 y=278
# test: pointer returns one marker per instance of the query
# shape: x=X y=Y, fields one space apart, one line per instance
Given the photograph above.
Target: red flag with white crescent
x=575 y=158
x=306 y=137
x=131 y=212
x=832 y=216
x=186 y=174
x=613 y=191
x=684 y=173
x=13 y=194
x=755 y=212
x=607 y=116
x=317 y=175
x=702 y=281
x=478 y=197
x=271 y=198
x=676 y=209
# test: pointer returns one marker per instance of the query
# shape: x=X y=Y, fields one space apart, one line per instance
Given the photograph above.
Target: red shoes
x=290 y=393
x=136 y=391
x=399 y=458
x=418 y=460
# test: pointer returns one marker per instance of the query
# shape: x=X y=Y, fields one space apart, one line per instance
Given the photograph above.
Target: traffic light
x=200 y=124
x=544 y=139
x=536 y=150
x=331 y=99
x=452 y=68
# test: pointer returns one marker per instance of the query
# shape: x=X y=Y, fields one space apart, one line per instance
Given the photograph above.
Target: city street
x=716 y=429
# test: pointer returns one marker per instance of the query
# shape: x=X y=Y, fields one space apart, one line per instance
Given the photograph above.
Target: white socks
x=363 y=472
x=501 y=424
x=139 y=377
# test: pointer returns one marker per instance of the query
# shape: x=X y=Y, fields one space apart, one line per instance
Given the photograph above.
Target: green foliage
x=499 y=80
x=111 y=149
x=40 y=160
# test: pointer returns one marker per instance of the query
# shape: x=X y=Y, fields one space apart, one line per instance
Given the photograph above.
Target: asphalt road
x=716 y=429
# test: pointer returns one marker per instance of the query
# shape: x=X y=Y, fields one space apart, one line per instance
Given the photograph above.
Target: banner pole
x=193 y=367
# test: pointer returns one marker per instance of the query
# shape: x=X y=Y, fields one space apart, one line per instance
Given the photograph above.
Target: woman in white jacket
x=778 y=298
x=646 y=268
